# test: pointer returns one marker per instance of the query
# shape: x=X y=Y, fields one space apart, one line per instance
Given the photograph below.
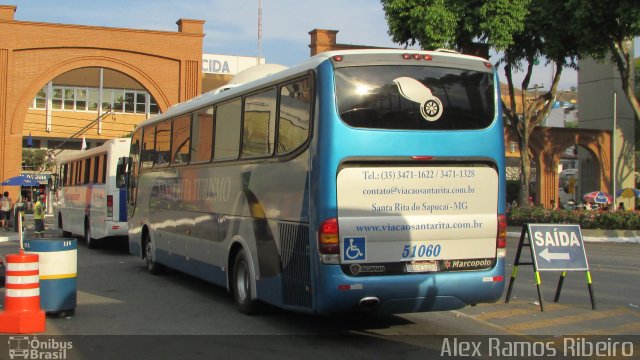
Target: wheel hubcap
x=242 y=281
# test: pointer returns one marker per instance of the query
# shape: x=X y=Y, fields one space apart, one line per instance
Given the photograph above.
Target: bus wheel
x=149 y=253
x=242 y=284
x=91 y=243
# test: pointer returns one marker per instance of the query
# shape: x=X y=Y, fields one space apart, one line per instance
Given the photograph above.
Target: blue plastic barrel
x=58 y=273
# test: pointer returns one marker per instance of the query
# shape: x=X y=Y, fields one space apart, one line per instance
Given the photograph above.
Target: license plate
x=421 y=266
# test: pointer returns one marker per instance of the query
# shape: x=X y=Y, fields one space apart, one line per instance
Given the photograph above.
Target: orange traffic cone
x=22 y=313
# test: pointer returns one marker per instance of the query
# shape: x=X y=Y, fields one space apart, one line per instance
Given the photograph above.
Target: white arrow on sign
x=545 y=254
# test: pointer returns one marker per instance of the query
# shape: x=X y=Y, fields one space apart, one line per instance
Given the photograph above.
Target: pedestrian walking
x=38 y=216
x=5 y=210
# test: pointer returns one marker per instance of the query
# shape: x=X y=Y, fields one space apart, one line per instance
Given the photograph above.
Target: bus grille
x=296 y=264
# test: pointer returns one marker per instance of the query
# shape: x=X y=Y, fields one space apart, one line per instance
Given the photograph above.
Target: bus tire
x=91 y=243
x=241 y=284
x=149 y=253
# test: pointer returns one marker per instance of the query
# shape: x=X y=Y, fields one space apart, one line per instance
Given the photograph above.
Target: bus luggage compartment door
x=417 y=215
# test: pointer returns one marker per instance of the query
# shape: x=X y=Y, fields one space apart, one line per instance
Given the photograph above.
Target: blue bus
x=358 y=180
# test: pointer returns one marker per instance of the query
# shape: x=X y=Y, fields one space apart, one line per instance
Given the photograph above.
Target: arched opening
x=91 y=104
x=568 y=176
x=78 y=109
x=589 y=174
x=556 y=153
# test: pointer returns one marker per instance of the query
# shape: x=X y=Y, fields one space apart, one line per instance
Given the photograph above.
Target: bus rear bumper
x=338 y=292
x=116 y=228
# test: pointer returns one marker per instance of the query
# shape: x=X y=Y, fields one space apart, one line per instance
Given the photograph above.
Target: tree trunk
x=621 y=55
x=525 y=172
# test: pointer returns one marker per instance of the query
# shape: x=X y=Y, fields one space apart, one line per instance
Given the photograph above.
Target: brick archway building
x=547 y=146
x=166 y=64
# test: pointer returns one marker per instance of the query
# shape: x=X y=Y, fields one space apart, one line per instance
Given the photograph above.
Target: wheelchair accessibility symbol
x=354 y=248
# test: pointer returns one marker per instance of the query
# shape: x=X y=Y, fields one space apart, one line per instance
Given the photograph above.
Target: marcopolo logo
x=468 y=264
x=24 y=347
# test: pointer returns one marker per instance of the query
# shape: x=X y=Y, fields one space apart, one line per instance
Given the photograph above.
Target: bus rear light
x=328 y=240
x=501 y=237
x=338 y=58
x=115 y=227
x=422 y=157
x=488 y=65
x=347 y=287
x=426 y=57
x=109 y=205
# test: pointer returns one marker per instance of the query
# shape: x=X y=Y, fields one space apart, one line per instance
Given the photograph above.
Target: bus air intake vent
x=296 y=264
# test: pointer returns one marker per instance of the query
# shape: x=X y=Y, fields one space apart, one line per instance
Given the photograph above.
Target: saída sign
x=557 y=247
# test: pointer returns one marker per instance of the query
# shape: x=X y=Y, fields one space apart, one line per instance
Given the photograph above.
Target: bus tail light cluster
x=426 y=57
x=405 y=56
x=109 y=205
x=501 y=237
x=329 y=241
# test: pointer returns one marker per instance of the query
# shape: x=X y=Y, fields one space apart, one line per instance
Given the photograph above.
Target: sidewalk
x=29 y=227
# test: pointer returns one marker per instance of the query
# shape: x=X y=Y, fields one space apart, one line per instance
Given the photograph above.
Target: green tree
x=36 y=160
x=520 y=31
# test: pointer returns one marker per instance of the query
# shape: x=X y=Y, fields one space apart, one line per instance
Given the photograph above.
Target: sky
x=231 y=26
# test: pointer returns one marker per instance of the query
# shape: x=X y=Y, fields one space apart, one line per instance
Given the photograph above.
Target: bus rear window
x=415 y=97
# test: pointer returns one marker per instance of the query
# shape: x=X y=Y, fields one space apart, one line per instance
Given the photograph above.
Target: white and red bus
x=90 y=200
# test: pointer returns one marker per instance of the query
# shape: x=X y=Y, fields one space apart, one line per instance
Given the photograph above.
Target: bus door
x=119 y=201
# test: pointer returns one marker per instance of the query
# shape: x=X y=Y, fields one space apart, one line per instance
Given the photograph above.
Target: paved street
x=116 y=296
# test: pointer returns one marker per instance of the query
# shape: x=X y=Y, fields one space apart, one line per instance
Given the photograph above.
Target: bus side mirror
x=122 y=171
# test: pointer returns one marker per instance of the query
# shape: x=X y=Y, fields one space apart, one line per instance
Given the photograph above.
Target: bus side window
x=134 y=167
x=295 y=115
x=181 y=140
x=258 y=135
x=202 y=136
x=163 y=143
x=62 y=178
x=148 y=147
x=227 y=131
x=95 y=170
x=122 y=172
